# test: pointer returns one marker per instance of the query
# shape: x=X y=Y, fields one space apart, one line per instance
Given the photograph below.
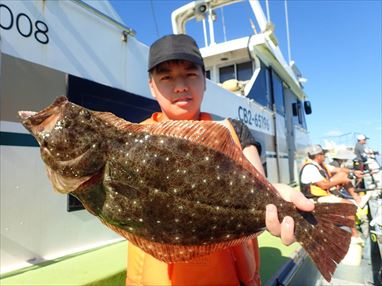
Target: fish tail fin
x=320 y=234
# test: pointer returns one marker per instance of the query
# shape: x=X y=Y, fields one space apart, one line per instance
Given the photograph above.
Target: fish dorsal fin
x=210 y=134
x=112 y=120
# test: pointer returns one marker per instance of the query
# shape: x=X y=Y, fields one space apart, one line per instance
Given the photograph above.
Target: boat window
x=226 y=73
x=299 y=119
x=73 y=204
x=299 y=114
x=96 y=96
x=244 y=71
x=278 y=93
x=260 y=91
x=208 y=74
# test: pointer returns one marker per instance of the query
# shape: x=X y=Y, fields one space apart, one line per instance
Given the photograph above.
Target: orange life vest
x=227 y=267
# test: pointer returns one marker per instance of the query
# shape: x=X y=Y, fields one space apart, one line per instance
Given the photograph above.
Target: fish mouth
x=26 y=114
x=43 y=120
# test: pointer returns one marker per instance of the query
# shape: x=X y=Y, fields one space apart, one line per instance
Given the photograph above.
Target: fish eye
x=85 y=113
x=65 y=123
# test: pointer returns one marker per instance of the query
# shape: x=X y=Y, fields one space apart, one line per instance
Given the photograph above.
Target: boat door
x=281 y=143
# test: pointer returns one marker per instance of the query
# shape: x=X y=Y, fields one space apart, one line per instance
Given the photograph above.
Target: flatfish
x=177 y=189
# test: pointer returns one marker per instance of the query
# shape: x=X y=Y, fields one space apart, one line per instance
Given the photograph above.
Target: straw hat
x=343 y=154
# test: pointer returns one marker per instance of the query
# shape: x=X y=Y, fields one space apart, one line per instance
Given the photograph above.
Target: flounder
x=177 y=189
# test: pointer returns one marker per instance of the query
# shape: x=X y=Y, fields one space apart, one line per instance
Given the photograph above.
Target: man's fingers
x=287 y=231
x=297 y=198
x=272 y=221
x=301 y=202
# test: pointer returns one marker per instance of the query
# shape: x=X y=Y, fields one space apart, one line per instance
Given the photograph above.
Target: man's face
x=320 y=158
x=178 y=86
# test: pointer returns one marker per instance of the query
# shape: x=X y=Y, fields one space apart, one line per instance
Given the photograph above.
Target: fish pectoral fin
x=65 y=185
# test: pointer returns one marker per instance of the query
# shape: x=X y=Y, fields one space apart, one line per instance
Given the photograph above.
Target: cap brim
x=177 y=56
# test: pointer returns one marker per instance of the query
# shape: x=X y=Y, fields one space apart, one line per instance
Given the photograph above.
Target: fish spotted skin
x=179 y=183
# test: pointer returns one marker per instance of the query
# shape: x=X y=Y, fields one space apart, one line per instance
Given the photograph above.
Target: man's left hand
x=358 y=174
x=285 y=229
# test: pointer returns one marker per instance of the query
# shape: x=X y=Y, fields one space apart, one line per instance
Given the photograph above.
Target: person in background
x=341 y=157
x=318 y=179
x=360 y=151
x=360 y=162
x=177 y=81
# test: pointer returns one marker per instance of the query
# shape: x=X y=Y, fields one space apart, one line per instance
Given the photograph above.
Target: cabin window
x=299 y=113
x=208 y=74
x=73 y=204
x=226 y=73
x=261 y=91
x=299 y=119
x=278 y=93
x=244 y=71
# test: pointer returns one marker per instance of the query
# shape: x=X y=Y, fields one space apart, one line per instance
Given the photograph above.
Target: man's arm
x=347 y=171
x=339 y=179
x=285 y=229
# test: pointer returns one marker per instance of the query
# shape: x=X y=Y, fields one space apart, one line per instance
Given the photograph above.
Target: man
x=360 y=162
x=177 y=81
x=317 y=179
x=341 y=158
x=359 y=149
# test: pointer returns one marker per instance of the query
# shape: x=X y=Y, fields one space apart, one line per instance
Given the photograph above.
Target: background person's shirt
x=311 y=173
x=359 y=151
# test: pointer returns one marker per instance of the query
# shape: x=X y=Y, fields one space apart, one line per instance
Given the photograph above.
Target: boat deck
x=107 y=266
x=354 y=275
x=279 y=264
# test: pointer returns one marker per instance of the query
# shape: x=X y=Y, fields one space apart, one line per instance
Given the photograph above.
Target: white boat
x=82 y=49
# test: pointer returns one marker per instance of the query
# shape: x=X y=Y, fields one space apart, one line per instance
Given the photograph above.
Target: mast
x=287 y=31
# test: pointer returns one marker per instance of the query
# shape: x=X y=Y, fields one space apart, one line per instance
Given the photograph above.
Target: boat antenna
x=223 y=23
x=154 y=17
x=252 y=26
x=268 y=12
x=287 y=30
x=205 y=32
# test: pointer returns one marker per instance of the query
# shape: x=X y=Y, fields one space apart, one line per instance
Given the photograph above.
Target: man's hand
x=358 y=174
x=285 y=229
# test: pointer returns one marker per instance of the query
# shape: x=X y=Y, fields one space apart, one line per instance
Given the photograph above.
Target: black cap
x=174 y=47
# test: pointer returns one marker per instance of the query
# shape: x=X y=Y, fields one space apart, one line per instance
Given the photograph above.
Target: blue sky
x=335 y=44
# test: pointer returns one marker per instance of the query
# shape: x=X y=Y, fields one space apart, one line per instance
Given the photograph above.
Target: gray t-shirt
x=359 y=151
